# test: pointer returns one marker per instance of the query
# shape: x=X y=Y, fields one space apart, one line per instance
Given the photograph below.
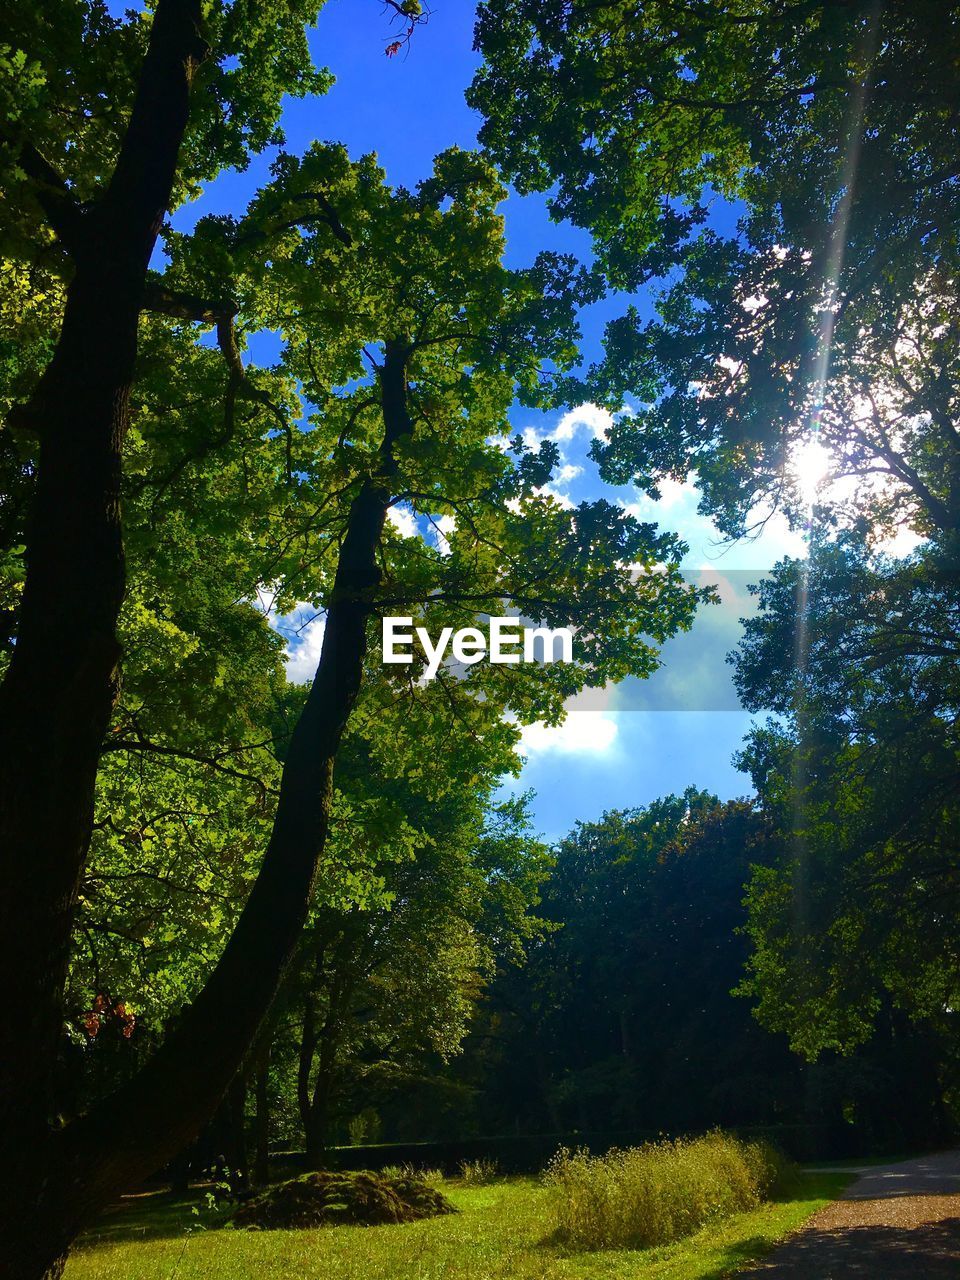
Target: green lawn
x=501 y=1233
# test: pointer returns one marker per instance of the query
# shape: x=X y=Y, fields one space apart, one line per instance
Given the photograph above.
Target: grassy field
x=501 y=1233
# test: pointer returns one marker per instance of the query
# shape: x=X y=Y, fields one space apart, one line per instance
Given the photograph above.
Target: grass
x=500 y=1234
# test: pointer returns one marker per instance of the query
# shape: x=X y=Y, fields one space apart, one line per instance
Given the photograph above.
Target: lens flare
x=810 y=466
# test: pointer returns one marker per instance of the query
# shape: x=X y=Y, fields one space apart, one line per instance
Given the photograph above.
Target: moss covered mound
x=330 y=1198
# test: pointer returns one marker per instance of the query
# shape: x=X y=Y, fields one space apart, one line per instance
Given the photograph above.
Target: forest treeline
x=225 y=890
x=628 y=1013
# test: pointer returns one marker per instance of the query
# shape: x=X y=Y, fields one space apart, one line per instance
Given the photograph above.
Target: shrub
x=777 y=1176
x=659 y=1192
x=479 y=1172
x=327 y=1198
x=408 y=1170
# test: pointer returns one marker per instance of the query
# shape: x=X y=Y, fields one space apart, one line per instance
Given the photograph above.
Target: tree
x=408 y=340
x=95 y=218
x=829 y=318
x=383 y=990
x=806 y=361
x=624 y=1017
x=855 y=656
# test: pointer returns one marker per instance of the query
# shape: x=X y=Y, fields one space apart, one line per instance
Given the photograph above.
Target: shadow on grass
x=153 y=1215
x=737 y=1256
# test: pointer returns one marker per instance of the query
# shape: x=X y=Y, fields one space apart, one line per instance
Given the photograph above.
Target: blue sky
x=619 y=747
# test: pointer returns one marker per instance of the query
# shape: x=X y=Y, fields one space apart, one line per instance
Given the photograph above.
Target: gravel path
x=895 y=1221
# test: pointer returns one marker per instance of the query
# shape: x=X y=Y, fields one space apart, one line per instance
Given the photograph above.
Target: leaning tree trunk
x=58 y=692
x=129 y=1135
x=57 y=697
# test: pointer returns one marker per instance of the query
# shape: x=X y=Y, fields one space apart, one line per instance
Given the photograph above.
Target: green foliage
x=828 y=318
x=833 y=307
x=574 y=95
x=237 y=491
x=652 y=1195
x=433 y=1176
x=68 y=75
x=364 y=1127
x=381 y=994
x=351 y=264
x=741 y=371
x=855 y=656
x=623 y=1017
x=251 y=503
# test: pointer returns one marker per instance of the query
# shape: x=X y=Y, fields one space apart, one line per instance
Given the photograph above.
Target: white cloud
x=902 y=543
x=265 y=596
x=561 y=499
x=729 y=365
x=303 y=652
x=443 y=526
x=672 y=494
x=581 y=733
x=754 y=303
x=674 y=491
x=499 y=442
x=567 y=473
x=403 y=520
x=597 y=421
x=779 y=540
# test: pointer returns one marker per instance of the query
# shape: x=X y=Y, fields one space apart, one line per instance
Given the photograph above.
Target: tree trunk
x=308 y=1044
x=316 y=1134
x=318 y=1119
x=77 y=1169
x=261 y=1158
x=58 y=692
x=231 y=1136
x=312 y=1102
x=324 y=1044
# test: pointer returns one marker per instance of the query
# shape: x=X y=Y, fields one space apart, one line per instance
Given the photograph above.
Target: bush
x=433 y=1176
x=659 y=1192
x=777 y=1175
x=327 y=1199
x=479 y=1173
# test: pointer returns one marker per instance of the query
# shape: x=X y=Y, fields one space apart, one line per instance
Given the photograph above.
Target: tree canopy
x=830 y=314
x=218 y=873
x=856 y=659
x=182 y=821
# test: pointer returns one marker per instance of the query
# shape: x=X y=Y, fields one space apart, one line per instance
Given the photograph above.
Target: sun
x=810 y=465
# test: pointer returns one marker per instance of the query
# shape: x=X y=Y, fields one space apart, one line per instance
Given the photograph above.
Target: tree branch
x=62 y=210
x=186 y=306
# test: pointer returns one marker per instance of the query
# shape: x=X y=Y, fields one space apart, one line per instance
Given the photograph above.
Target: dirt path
x=897 y=1220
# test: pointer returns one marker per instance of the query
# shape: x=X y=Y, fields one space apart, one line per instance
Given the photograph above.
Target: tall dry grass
x=659 y=1192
